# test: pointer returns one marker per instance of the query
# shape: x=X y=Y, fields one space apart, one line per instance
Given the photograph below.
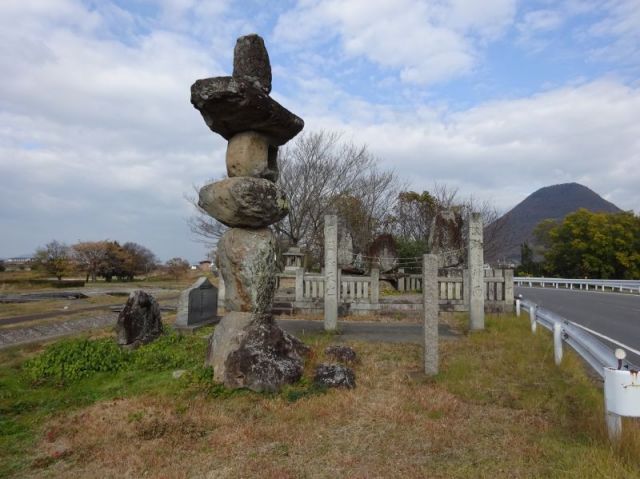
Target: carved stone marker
x=197 y=306
x=331 y=286
x=248 y=349
x=475 y=264
x=430 y=310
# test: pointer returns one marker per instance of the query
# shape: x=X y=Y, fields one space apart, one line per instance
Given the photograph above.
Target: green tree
x=55 y=258
x=594 y=245
x=528 y=265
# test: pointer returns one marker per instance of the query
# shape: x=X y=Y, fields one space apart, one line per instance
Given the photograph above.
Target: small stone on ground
x=335 y=376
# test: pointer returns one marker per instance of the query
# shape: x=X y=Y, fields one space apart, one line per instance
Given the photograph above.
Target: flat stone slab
x=232 y=105
x=198 y=304
x=366 y=330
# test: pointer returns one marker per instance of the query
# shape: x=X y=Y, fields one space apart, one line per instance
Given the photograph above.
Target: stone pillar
x=430 y=312
x=508 y=290
x=401 y=280
x=331 y=286
x=300 y=284
x=375 y=285
x=248 y=349
x=475 y=263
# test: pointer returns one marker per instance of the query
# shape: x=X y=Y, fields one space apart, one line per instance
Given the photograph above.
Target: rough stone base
x=254 y=353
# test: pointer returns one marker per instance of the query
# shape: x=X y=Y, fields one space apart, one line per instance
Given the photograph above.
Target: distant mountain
x=551 y=202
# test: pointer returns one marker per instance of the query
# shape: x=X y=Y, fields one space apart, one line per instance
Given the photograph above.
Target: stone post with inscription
x=475 y=265
x=430 y=311
x=330 y=272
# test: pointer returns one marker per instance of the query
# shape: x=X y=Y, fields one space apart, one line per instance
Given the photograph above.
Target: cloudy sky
x=98 y=139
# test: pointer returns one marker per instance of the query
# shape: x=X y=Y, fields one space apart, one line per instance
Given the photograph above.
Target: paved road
x=615 y=315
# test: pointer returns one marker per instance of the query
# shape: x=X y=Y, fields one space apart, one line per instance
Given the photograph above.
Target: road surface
x=616 y=315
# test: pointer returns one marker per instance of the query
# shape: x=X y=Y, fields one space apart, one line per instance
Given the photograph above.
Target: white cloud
x=504 y=150
x=427 y=42
x=621 y=28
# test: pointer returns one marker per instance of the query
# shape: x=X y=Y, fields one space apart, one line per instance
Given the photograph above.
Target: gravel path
x=41 y=332
x=348 y=330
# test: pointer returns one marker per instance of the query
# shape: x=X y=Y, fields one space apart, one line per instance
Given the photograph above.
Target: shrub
x=74 y=359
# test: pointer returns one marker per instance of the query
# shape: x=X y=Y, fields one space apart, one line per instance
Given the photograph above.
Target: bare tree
x=318 y=170
x=90 y=255
x=204 y=228
x=177 y=267
x=315 y=171
x=55 y=258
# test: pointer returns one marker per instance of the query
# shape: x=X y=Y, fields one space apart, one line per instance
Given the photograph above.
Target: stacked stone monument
x=248 y=349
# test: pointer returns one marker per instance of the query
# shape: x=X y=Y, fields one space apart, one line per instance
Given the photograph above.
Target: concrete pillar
x=375 y=285
x=401 y=280
x=430 y=312
x=475 y=262
x=518 y=307
x=614 y=425
x=508 y=290
x=330 y=272
x=300 y=284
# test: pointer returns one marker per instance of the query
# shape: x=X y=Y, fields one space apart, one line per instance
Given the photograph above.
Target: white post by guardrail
x=518 y=307
x=557 y=343
x=621 y=397
x=621 y=385
x=532 y=317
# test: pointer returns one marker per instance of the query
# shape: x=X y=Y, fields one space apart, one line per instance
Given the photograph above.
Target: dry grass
x=478 y=418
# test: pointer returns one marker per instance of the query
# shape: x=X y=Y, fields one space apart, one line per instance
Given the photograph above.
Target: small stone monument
x=197 y=306
x=248 y=349
x=139 y=322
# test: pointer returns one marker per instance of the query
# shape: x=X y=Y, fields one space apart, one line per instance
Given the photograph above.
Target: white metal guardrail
x=621 y=378
x=620 y=285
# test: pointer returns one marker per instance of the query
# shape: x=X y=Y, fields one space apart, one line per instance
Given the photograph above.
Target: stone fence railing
x=363 y=292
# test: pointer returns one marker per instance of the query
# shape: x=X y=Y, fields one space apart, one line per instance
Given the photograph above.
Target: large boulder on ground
x=244 y=202
x=139 y=322
x=247 y=264
x=232 y=105
x=334 y=376
x=251 y=62
x=250 y=351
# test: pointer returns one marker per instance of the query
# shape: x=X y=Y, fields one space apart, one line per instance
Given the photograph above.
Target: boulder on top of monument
x=232 y=105
x=251 y=61
x=247 y=264
x=139 y=322
x=244 y=202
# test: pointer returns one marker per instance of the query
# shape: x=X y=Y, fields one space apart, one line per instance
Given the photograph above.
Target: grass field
x=499 y=408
